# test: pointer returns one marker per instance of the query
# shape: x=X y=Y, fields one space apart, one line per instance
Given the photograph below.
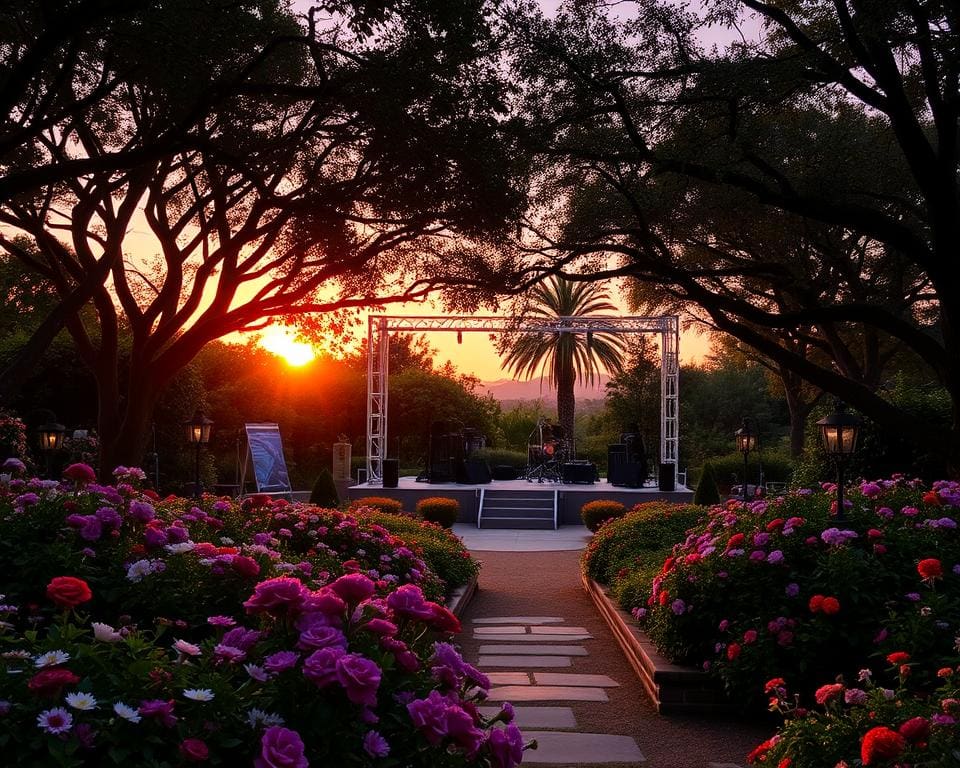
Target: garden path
x=534 y=631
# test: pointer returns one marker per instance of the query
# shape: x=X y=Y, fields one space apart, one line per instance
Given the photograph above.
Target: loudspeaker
x=668 y=477
x=579 y=472
x=391 y=473
x=505 y=472
x=616 y=460
x=473 y=472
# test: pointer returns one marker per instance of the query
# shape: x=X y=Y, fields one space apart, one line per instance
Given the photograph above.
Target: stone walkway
x=535 y=633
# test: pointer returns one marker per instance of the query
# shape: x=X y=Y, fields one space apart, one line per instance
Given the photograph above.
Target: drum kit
x=547 y=450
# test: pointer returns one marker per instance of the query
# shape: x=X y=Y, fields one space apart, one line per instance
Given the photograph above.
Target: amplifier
x=579 y=472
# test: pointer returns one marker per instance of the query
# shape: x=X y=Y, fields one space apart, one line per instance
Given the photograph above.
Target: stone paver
x=509 y=678
x=518 y=638
x=565 y=678
x=534 y=650
x=558 y=631
x=723 y=765
x=508 y=630
x=581 y=748
x=524 y=662
x=526 y=620
x=514 y=693
x=538 y=717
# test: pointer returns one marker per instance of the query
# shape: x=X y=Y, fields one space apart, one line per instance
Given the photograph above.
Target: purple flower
x=109 y=517
x=228 y=654
x=375 y=745
x=678 y=607
x=241 y=637
x=506 y=746
x=408 y=601
x=220 y=621
x=281 y=661
x=320 y=667
x=353 y=588
x=14 y=466
x=177 y=534
x=837 y=538
x=429 y=716
x=855 y=696
x=154 y=538
x=281 y=748
x=324 y=602
x=88 y=526
x=319 y=636
x=758 y=556
x=360 y=678
x=761 y=539
x=910 y=511
x=885 y=512
x=775 y=557
x=913 y=597
x=278 y=596
x=939 y=719
x=463 y=730
x=160 y=710
x=793 y=589
x=142 y=512
x=870 y=490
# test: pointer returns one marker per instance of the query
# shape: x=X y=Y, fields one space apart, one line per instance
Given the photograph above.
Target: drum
x=549 y=449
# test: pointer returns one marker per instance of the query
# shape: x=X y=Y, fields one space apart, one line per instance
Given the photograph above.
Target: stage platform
x=568 y=498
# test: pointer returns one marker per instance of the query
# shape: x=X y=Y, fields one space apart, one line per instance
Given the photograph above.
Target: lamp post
x=197 y=431
x=746 y=442
x=838 y=439
x=51 y=441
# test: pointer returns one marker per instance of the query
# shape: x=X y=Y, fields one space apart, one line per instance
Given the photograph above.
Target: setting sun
x=284 y=344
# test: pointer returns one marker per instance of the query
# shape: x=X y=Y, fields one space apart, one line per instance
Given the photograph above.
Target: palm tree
x=568 y=357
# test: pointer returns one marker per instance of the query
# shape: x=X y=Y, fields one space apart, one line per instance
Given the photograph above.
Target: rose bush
x=164 y=632
x=782 y=588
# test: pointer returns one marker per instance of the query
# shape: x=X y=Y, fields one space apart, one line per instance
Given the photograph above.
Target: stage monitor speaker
x=505 y=472
x=391 y=473
x=616 y=461
x=579 y=472
x=473 y=472
x=668 y=477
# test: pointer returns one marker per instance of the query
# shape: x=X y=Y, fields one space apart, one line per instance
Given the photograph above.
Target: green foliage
x=728 y=469
x=324 y=493
x=595 y=513
x=646 y=528
x=499 y=456
x=707 y=492
x=438 y=509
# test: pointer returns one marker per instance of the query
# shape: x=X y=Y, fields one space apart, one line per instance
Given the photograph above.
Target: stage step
x=534 y=510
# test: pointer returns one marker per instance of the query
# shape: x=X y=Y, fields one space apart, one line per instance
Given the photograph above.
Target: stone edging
x=462 y=596
x=672 y=688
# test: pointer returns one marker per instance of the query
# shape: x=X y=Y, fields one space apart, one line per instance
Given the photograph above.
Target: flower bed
x=166 y=632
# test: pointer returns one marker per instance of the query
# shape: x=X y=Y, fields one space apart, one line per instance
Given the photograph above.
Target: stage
x=519 y=503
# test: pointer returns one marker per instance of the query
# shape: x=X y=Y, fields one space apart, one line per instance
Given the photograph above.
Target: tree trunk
x=566 y=404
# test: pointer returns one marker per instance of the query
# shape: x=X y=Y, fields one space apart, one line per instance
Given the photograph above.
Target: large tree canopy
x=801 y=188
x=288 y=166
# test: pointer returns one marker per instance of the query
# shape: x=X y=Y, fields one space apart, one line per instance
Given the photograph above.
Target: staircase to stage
x=527 y=509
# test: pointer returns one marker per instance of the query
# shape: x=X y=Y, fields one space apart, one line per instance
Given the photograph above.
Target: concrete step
x=518 y=523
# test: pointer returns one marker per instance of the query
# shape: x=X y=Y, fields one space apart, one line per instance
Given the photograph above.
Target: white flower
x=105 y=633
x=126 y=712
x=865 y=674
x=52 y=658
x=226 y=541
x=198 y=694
x=179 y=549
x=82 y=701
x=138 y=570
x=257 y=717
x=182 y=646
x=16 y=655
x=56 y=720
x=257 y=673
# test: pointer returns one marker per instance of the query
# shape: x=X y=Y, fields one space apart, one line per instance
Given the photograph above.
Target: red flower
x=880 y=744
x=773 y=684
x=916 y=730
x=80 y=473
x=733 y=650
x=664 y=598
x=785 y=763
x=930 y=497
x=760 y=752
x=816 y=603
x=827 y=692
x=68 y=591
x=735 y=540
x=245 y=566
x=931 y=568
x=667 y=564
x=898 y=657
x=194 y=750
x=49 y=682
x=774 y=524
x=830 y=606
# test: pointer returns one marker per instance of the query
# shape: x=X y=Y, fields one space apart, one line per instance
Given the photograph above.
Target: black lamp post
x=838 y=438
x=51 y=441
x=746 y=442
x=197 y=431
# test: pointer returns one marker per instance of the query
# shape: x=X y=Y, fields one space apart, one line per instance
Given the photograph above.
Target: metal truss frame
x=379 y=328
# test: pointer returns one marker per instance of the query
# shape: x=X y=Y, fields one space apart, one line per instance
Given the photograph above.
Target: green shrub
x=596 y=513
x=631 y=585
x=499 y=456
x=707 y=492
x=728 y=470
x=439 y=510
x=646 y=528
x=324 y=493
x=380 y=503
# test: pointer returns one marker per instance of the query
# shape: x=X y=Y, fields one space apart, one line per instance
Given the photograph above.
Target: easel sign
x=265 y=448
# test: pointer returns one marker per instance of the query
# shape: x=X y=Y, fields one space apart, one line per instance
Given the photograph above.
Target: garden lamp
x=746 y=442
x=51 y=441
x=838 y=439
x=197 y=431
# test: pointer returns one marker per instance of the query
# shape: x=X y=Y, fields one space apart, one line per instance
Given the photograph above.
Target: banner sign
x=266 y=451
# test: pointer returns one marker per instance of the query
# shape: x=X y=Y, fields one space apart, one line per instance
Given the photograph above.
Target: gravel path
x=532 y=584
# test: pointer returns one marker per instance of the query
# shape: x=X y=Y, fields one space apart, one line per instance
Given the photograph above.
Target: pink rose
x=360 y=678
x=506 y=746
x=194 y=750
x=245 y=566
x=354 y=587
x=281 y=748
x=408 y=601
x=277 y=596
x=320 y=667
x=80 y=474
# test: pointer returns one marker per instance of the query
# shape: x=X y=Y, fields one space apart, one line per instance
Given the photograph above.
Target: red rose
x=245 y=566
x=931 y=568
x=898 y=657
x=830 y=606
x=442 y=620
x=785 y=763
x=733 y=650
x=880 y=744
x=816 y=603
x=80 y=473
x=68 y=591
x=664 y=598
x=49 y=682
x=667 y=565
x=194 y=750
x=916 y=730
x=774 y=524
x=774 y=683
x=828 y=692
x=735 y=541
x=759 y=752
x=930 y=497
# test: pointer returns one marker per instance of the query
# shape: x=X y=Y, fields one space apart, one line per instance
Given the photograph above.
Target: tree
x=633 y=394
x=840 y=120
x=312 y=169
x=564 y=357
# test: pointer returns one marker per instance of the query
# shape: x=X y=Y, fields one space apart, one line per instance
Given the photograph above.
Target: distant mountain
x=506 y=390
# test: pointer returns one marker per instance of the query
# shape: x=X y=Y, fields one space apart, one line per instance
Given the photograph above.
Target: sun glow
x=284 y=344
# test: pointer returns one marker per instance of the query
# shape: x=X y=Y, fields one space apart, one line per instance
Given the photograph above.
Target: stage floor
x=570 y=497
